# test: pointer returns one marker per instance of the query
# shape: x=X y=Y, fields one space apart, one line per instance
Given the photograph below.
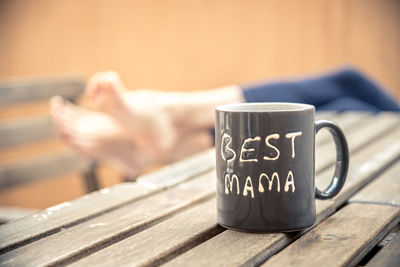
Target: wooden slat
x=389 y=255
x=26 y=130
x=366 y=165
x=325 y=115
x=225 y=248
x=14 y=154
x=165 y=240
x=29 y=229
x=384 y=190
x=234 y=248
x=346 y=121
x=387 y=123
x=341 y=240
x=325 y=151
x=179 y=171
x=20 y=91
x=112 y=226
x=41 y=167
x=375 y=127
x=8 y=214
x=395 y=230
x=162 y=241
x=37 y=108
x=351 y=118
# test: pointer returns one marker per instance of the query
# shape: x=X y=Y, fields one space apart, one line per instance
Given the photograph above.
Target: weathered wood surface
x=233 y=248
x=41 y=167
x=21 y=131
x=346 y=120
x=253 y=249
x=365 y=165
x=105 y=229
x=168 y=217
x=24 y=131
x=28 y=90
x=389 y=255
x=385 y=190
x=8 y=214
x=325 y=115
x=376 y=127
x=71 y=213
x=162 y=241
x=341 y=240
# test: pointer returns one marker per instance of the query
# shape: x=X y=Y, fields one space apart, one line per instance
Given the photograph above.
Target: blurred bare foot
x=158 y=121
x=143 y=115
x=96 y=135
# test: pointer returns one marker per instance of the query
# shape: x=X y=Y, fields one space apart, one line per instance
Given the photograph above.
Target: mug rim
x=265 y=107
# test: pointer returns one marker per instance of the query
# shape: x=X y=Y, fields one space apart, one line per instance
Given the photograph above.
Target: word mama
x=231 y=180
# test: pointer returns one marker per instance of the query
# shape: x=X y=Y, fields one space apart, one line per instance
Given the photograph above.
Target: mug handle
x=342 y=159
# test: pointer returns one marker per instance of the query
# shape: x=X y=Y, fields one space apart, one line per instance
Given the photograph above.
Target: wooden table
x=169 y=217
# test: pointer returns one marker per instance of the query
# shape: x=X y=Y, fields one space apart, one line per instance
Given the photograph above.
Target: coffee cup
x=265 y=160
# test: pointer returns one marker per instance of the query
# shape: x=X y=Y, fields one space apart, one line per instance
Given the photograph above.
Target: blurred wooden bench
x=169 y=217
x=19 y=132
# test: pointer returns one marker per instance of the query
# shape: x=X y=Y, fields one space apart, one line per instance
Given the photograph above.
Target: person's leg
x=157 y=120
x=354 y=84
x=315 y=92
x=98 y=136
x=322 y=90
x=347 y=103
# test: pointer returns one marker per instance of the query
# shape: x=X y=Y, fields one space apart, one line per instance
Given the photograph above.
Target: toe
x=105 y=90
x=114 y=80
x=56 y=102
x=111 y=74
x=64 y=114
x=107 y=84
x=91 y=88
x=106 y=94
x=95 y=78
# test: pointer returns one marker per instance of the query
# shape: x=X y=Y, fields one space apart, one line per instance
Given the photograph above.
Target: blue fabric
x=344 y=90
x=347 y=103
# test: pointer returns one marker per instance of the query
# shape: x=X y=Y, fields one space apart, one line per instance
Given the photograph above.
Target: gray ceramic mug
x=265 y=155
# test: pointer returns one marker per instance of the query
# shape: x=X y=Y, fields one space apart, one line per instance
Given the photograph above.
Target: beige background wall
x=184 y=45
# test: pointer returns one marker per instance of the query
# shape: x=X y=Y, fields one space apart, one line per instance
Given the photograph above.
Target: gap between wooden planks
x=389 y=255
x=384 y=190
